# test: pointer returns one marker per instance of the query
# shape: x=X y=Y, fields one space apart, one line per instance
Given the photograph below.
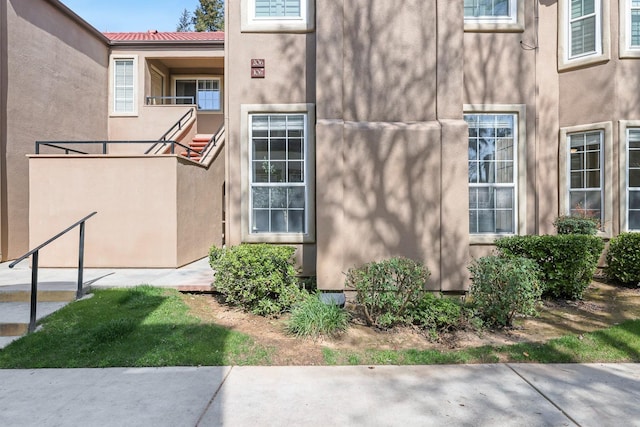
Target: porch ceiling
x=192 y=62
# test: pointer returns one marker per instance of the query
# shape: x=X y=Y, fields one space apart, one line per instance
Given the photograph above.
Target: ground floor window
x=633 y=179
x=586 y=168
x=279 y=180
x=493 y=173
x=586 y=174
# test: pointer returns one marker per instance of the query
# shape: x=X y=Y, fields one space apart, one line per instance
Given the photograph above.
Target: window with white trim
x=586 y=174
x=493 y=173
x=584 y=28
x=279 y=193
x=277 y=9
x=490 y=10
x=204 y=92
x=633 y=27
x=124 y=85
x=633 y=179
x=277 y=15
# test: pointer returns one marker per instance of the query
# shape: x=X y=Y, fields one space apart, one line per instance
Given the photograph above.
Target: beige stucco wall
x=290 y=76
x=153 y=211
x=53 y=65
x=389 y=130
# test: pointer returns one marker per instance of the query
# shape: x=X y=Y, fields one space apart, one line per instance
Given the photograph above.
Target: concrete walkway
x=471 y=395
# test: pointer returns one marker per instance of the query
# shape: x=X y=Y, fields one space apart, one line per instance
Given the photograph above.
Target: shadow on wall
x=379 y=166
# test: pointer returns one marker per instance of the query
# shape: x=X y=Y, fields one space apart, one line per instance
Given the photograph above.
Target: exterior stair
x=197 y=144
x=15 y=307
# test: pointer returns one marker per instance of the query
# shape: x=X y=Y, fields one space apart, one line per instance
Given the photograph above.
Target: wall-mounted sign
x=257 y=69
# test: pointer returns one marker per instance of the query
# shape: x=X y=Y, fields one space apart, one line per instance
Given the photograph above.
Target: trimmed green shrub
x=314 y=318
x=502 y=287
x=566 y=224
x=623 y=258
x=386 y=289
x=567 y=262
x=439 y=313
x=259 y=278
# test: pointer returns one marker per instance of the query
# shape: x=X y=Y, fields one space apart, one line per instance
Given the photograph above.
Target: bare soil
x=603 y=305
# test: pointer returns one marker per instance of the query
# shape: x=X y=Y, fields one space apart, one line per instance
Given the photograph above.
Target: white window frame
x=520 y=166
x=602 y=52
x=512 y=23
x=606 y=170
x=251 y=23
x=112 y=81
x=626 y=49
x=247 y=111
x=176 y=78
x=625 y=126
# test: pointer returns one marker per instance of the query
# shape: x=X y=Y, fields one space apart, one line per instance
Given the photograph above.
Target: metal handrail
x=186 y=116
x=175 y=98
x=34 y=268
x=212 y=142
x=163 y=139
x=106 y=143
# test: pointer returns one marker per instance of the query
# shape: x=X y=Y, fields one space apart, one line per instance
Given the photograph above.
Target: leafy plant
x=502 y=287
x=312 y=318
x=386 y=289
x=439 y=314
x=567 y=262
x=259 y=278
x=567 y=224
x=623 y=258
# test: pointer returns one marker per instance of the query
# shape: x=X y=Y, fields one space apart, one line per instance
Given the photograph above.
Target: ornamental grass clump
x=314 y=318
x=502 y=287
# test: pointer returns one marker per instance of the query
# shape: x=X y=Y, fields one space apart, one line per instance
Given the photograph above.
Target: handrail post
x=104 y=147
x=80 y=262
x=34 y=292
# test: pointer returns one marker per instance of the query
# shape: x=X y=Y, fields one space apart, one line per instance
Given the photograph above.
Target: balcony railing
x=170 y=100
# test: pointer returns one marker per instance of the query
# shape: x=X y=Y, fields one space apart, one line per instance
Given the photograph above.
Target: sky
x=131 y=15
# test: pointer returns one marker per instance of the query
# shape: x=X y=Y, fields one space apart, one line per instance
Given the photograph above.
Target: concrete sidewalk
x=197 y=275
x=473 y=395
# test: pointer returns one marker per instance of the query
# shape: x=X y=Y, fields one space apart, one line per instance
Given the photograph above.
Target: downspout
x=4 y=51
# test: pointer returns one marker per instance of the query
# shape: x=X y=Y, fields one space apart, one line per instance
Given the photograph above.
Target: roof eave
x=74 y=16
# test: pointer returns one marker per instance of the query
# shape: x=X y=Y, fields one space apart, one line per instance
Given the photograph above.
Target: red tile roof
x=153 y=35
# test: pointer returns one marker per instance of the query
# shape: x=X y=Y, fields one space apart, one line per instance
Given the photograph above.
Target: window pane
x=634 y=199
x=277 y=8
x=261 y=197
x=186 y=91
x=491 y=161
x=278 y=158
x=486 y=8
x=583 y=36
x=279 y=221
x=635 y=28
x=123 y=86
x=634 y=178
x=634 y=220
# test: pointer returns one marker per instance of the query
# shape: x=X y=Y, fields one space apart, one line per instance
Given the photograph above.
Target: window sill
x=493 y=27
x=281 y=238
x=486 y=239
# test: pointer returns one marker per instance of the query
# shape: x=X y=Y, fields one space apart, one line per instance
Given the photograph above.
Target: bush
x=576 y=225
x=623 y=258
x=313 y=318
x=259 y=278
x=567 y=262
x=439 y=314
x=502 y=287
x=387 y=288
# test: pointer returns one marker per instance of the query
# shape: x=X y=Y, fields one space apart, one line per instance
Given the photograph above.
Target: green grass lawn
x=142 y=326
x=147 y=326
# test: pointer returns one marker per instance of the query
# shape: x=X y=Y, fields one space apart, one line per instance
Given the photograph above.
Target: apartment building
x=363 y=129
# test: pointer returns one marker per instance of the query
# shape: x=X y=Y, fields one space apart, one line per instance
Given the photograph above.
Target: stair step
x=13 y=329
x=201 y=138
x=43 y=296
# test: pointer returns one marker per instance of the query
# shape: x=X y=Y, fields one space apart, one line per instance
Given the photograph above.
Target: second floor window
x=584 y=28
